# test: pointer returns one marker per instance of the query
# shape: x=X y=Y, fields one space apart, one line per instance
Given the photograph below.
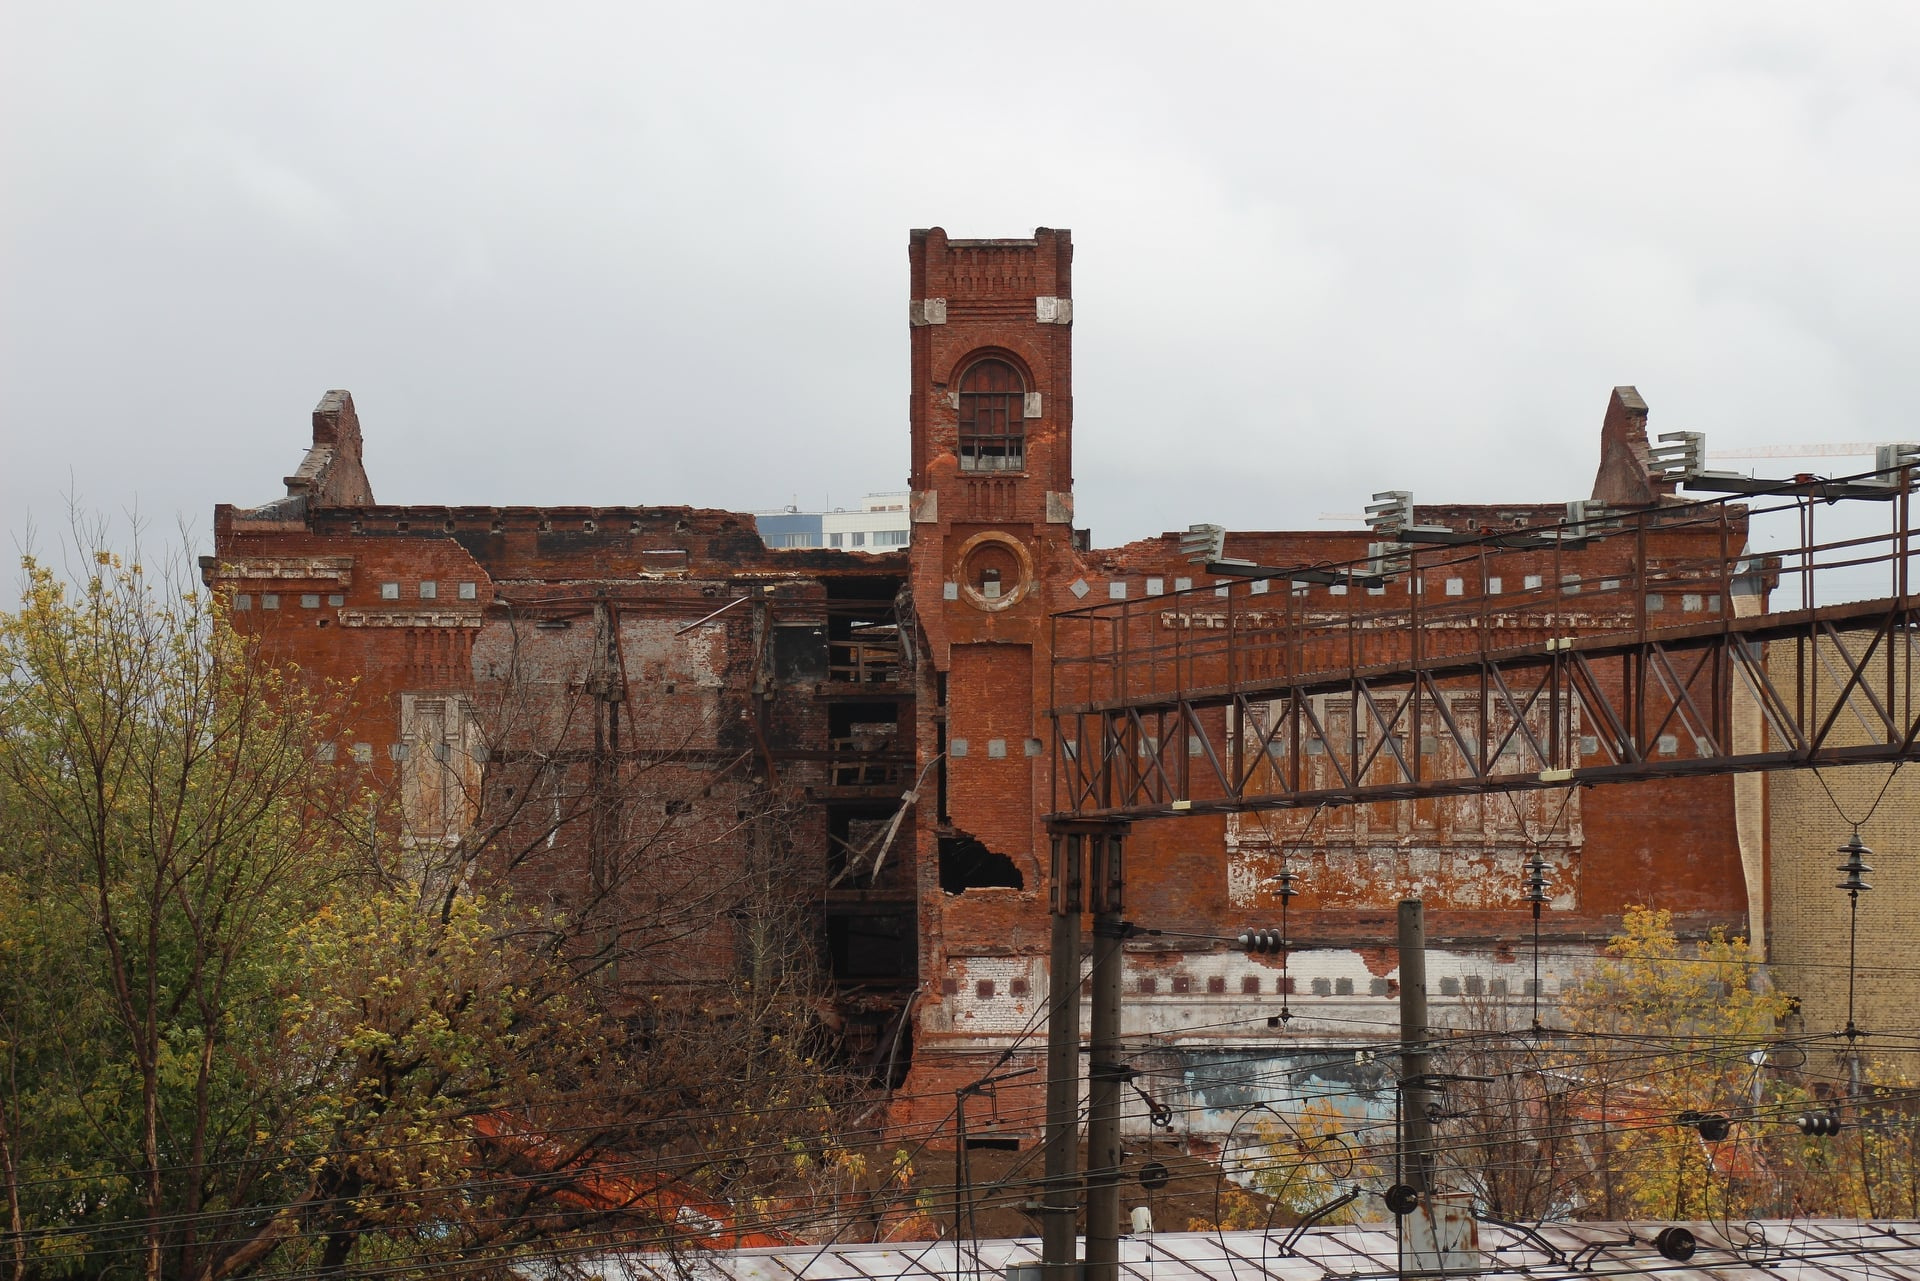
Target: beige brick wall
x=1808 y=926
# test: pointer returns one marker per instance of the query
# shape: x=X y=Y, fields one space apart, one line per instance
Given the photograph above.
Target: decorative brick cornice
x=407 y=618
x=304 y=569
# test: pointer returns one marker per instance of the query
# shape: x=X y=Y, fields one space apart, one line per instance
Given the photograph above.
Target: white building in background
x=879 y=525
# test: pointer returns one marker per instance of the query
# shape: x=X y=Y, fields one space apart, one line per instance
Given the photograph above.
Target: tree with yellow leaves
x=1662 y=1053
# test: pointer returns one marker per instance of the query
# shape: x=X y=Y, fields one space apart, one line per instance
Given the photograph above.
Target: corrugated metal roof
x=1801 y=1250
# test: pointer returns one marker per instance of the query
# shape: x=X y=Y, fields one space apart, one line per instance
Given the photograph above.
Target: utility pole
x=1105 y=1073
x=1059 y=1199
x=1416 y=1131
x=1087 y=873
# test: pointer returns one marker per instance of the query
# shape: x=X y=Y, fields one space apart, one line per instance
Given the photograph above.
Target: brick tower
x=992 y=480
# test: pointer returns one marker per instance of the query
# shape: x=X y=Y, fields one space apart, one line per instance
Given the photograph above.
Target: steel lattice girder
x=1401 y=732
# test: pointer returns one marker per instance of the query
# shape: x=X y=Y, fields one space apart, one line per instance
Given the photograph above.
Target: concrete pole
x=1105 y=1074
x=1416 y=1132
x=1059 y=1197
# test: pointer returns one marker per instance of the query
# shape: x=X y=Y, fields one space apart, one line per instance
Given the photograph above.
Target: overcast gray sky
x=657 y=253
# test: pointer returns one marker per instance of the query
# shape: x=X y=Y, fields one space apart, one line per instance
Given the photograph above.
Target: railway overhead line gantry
x=1619 y=645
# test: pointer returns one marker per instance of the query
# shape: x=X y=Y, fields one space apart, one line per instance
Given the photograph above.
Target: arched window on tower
x=993 y=418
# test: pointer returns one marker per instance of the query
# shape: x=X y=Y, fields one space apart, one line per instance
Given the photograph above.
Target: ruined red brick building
x=893 y=707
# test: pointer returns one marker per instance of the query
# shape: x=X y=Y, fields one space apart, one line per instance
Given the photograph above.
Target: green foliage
x=162 y=828
x=234 y=1039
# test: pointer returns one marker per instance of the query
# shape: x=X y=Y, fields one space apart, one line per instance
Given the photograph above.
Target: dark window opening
x=880 y=1041
x=872 y=947
x=993 y=413
x=992 y=1145
x=966 y=864
x=799 y=653
x=879 y=588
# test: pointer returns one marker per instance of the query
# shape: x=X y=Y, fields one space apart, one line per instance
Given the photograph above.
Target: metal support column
x=1059 y=1198
x=1416 y=1131
x=1106 y=1074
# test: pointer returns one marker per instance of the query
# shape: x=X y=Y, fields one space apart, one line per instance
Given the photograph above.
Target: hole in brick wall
x=1018 y=987
x=993 y=1145
x=1250 y=985
x=984 y=989
x=1182 y=985
x=966 y=864
x=1216 y=984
